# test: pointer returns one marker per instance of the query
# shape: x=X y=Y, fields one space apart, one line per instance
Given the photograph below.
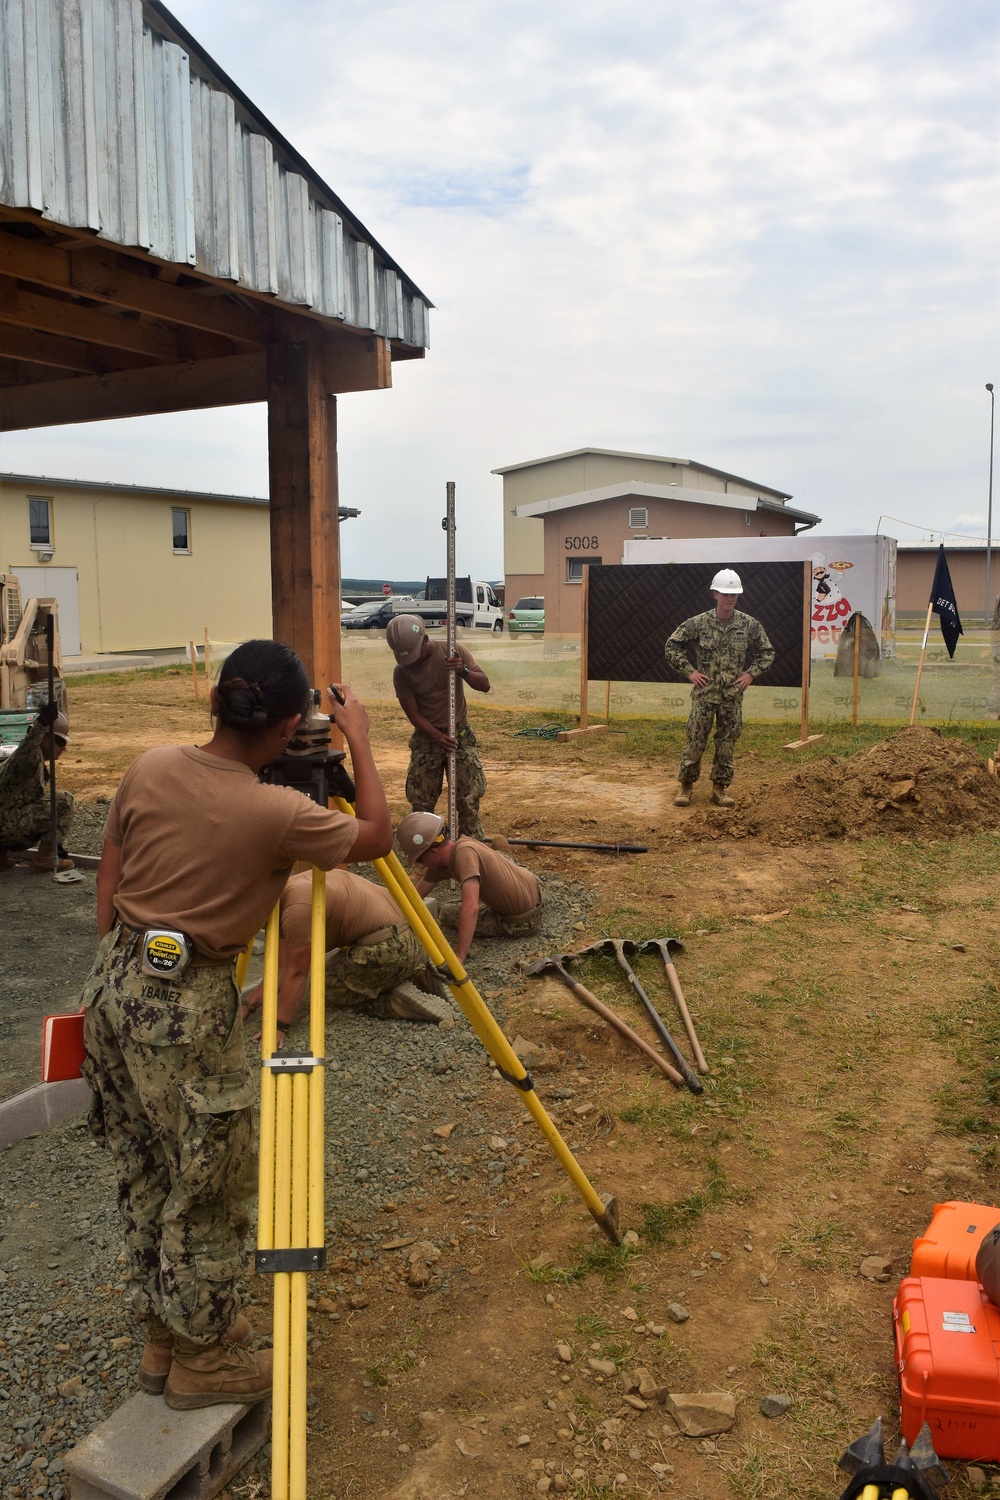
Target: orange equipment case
x=948 y=1358
x=953 y=1237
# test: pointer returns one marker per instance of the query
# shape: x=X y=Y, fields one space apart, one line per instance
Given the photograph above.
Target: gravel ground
x=69 y=1345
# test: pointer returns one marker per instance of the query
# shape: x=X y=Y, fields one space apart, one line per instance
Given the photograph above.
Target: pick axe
x=618 y=948
x=556 y=962
x=667 y=947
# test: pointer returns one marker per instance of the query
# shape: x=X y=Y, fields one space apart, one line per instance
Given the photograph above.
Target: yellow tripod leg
x=480 y=1018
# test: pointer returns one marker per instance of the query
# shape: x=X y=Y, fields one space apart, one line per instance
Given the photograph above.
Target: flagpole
x=920 y=667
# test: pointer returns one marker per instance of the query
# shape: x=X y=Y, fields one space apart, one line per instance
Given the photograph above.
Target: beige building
x=573 y=508
x=134 y=567
x=915 y=564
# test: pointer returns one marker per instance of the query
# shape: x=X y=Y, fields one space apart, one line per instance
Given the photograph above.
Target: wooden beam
x=93 y=325
x=18 y=372
x=305 y=543
x=357 y=364
x=45 y=349
x=231 y=381
x=102 y=275
x=574 y=734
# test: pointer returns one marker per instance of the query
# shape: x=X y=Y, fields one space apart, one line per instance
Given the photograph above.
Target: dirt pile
x=914 y=783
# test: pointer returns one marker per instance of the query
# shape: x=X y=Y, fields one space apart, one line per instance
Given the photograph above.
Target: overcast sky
x=757 y=233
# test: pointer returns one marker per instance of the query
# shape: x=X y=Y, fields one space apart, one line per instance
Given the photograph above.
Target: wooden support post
x=805 y=738
x=208 y=657
x=193 y=657
x=607 y=702
x=584 y=644
x=857 y=667
x=305 y=544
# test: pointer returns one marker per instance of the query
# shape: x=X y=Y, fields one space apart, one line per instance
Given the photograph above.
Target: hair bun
x=244 y=703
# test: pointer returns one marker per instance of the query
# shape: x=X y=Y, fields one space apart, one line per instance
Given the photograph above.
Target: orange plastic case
x=948 y=1358
x=953 y=1237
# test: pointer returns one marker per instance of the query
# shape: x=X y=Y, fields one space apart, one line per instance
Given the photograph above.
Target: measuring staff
x=196 y=853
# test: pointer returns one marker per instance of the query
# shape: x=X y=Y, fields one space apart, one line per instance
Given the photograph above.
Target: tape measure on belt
x=166 y=953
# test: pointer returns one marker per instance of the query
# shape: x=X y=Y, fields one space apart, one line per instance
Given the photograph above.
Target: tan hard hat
x=417 y=833
x=726 y=582
x=59 y=729
x=404 y=635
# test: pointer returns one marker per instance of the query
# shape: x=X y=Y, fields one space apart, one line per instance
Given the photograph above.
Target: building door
x=62 y=585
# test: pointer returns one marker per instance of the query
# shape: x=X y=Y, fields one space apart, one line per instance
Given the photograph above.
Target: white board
x=849 y=573
x=63 y=585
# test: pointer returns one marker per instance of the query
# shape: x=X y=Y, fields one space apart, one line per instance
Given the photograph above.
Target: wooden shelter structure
x=164 y=248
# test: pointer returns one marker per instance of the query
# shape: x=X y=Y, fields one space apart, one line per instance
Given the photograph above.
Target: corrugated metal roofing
x=106 y=124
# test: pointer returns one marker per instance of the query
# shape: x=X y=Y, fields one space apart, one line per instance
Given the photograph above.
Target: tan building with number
x=573 y=508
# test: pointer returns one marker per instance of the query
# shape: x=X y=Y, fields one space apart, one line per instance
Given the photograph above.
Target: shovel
x=667 y=947
x=618 y=948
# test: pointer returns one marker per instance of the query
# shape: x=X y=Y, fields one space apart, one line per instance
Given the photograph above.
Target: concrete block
x=41 y=1107
x=146 y=1451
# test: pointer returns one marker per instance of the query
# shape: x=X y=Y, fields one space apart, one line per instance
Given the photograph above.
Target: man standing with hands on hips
x=731 y=651
x=420 y=682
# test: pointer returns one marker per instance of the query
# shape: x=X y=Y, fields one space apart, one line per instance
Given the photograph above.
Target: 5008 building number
x=581 y=543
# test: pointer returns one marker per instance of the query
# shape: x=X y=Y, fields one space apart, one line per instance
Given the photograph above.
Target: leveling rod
x=397 y=882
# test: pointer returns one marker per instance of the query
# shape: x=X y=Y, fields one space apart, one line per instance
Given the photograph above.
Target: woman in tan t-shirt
x=196 y=844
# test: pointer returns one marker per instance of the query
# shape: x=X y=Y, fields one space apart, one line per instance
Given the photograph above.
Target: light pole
x=989 y=511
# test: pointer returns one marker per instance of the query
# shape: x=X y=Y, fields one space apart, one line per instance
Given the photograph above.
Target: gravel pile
x=69 y=1346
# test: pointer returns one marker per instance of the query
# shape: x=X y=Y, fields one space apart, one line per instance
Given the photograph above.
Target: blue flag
x=943 y=603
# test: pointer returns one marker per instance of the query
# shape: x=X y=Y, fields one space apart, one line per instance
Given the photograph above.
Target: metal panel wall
x=104 y=126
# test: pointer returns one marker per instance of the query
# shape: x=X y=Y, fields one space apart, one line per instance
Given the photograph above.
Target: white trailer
x=849 y=573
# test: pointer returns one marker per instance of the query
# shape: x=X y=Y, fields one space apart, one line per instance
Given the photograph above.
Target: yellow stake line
x=480 y=1018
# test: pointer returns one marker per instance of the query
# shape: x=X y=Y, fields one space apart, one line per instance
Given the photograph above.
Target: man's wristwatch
x=464 y=671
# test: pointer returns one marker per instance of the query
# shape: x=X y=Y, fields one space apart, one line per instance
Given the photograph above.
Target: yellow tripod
x=292 y=1159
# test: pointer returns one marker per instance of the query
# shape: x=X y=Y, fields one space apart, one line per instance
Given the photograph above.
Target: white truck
x=476 y=605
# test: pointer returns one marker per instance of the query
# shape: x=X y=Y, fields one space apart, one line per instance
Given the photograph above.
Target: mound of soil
x=914 y=783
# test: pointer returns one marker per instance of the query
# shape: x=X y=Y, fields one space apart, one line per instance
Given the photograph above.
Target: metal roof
x=642 y=490
x=117 y=122
x=656 y=458
x=40 y=481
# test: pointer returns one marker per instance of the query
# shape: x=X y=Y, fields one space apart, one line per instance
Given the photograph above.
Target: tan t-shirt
x=354 y=908
x=427 y=682
x=207 y=848
x=506 y=888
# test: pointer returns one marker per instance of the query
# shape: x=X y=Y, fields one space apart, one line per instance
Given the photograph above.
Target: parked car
x=377 y=614
x=527 y=617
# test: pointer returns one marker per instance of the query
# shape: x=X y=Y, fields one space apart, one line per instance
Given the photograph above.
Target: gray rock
x=775 y=1406
x=677 y=1314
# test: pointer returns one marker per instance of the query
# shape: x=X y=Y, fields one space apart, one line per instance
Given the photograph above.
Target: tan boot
x=720 y=796
x=42 y=861
x=154 y=1367
x=406 y=1003
x=683 y=798
x=222 y=1373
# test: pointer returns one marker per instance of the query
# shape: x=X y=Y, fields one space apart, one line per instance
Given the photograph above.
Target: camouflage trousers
x=490 y=923
x=728 y=719
x=22 y=824
x=425 y=778
x=173 y=1105
x=366 y=970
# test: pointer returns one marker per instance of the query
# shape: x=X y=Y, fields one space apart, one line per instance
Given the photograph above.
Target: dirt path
x=845 y=994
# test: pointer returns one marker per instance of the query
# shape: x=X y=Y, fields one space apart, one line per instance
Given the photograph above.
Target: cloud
x=759 y=235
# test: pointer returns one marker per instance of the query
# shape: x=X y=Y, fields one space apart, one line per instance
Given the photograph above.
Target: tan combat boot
x=720 y=796
x=223 y=1372
x=42 y=861
x=407 y=1003
x=683 y=798
x=154 y=1367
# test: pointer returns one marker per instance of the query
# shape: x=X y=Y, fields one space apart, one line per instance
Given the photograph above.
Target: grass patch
x=662 y=1222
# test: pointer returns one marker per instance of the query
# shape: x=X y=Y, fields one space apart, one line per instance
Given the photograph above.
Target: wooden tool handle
x=582 y=993
x=675 y=985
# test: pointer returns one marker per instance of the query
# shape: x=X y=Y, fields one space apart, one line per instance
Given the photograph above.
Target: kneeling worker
x=420 y=682
x=377 y=957
x=499 y=898
x=731 y=649
x=25 y=811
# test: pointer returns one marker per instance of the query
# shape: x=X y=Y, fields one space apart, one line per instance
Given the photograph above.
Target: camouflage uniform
x=25 y=815
x=364 y=971
x=425 y=778
x=722 y=652
x=490 y=923
x=173 y=1104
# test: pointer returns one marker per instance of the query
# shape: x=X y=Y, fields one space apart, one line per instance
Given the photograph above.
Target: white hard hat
x=726 y=582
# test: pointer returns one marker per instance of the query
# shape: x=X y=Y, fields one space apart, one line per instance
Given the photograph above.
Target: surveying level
x=309 y=764
x=915 y=1473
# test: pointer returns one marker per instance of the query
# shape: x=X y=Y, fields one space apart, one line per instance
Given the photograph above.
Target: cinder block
x=42 y=1107
x=146 y=1451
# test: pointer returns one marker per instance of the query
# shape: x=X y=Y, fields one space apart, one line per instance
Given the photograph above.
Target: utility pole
x=989 y=512
x=449 y=523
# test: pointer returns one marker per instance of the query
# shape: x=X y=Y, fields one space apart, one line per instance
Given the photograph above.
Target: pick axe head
x=551 y=961
x=665 y=946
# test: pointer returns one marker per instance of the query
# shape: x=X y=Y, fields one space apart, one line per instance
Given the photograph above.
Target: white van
x=476 y=605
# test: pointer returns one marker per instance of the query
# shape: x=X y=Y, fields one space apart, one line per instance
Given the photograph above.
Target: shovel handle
x=582 y=993
x=690 y=1077
x=675 y=985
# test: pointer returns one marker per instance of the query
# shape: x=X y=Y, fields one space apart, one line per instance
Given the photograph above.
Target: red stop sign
x=387 y=589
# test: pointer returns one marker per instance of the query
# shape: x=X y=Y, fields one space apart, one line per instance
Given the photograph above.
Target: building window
x=181 y=520
x=40 y=521
x=575 y=565
x=638 y=518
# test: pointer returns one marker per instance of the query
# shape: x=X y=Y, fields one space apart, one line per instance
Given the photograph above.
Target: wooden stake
x=857 y=667
x=607 y=701
x=920 y=664
x=584 y=644
x=194 y=670
x=208 y=659
x=805 y=738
